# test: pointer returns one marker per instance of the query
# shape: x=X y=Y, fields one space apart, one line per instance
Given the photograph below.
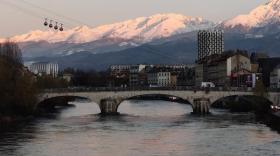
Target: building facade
x=164 y=79
x=137 y=75
x=119 y=70
x=200 y=74
x=210 y=42
x=228 y=69
x=275 y=78
x=266 y=66
x=186 y=77
x=160 y=79
x=45 y=68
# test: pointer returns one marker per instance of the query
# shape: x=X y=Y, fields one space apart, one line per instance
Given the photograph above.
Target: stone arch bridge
x=109 y=101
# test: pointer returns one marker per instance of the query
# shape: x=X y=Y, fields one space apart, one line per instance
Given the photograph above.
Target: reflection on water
x=143 y=129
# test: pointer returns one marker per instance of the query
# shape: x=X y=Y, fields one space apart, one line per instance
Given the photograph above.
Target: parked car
x=207 y=85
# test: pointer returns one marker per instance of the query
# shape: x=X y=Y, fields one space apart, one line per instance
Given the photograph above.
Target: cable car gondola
x=46 y=22
x=50 y=25
x=61 y=27
x=55 y=27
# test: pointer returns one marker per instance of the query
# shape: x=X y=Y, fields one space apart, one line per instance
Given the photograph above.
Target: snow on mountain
x=263 y=15
x=143 y=29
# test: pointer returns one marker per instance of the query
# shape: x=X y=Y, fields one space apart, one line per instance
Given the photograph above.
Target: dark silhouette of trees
x=11 y=51
x=89 y=78
x=260 y=89
x=49 y=82
x=18 y=91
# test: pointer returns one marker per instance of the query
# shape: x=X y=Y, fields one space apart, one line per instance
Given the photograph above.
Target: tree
x=18 y=90
x=260 y=89
x=49 y=82
x=11 y=51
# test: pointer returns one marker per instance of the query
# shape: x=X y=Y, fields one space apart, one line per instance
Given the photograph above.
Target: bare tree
x=12 y=51
x=18 y=90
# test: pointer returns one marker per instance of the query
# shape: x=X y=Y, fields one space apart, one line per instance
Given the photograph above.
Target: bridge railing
x=177 y=88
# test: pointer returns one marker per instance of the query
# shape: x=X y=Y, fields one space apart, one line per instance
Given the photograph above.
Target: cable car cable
x=29 y=12
x=23 y=10
x=155 y=52
x=32 y=13
x=69 y=19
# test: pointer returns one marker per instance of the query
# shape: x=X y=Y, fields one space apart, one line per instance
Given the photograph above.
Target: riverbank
x=8 y=122
x=52 y=106
x=255 y=104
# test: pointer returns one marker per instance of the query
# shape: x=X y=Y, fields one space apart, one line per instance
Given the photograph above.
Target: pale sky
x=22 y=16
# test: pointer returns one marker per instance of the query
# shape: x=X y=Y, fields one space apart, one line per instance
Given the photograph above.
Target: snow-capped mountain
x=141 y=40
x=143 y=29
x=260 y=17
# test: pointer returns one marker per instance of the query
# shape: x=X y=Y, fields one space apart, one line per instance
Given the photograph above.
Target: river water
x=144 y=128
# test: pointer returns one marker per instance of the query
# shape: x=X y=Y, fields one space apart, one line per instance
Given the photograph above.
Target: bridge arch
x=162 y=97
x=144 y=97
x=53 y=100
x=60 y=101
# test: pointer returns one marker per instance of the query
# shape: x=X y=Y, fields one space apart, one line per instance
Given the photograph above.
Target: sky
x=22 y=16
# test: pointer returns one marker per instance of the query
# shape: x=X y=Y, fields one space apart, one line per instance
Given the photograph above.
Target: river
x=143 y=128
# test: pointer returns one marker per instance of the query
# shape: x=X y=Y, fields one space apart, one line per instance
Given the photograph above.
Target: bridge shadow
x=57 y=104
x=271 y=121
x=162 y=97
x=245 y=103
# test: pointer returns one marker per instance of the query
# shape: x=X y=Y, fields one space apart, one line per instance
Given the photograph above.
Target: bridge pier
x=109 y=106
x=201 y=106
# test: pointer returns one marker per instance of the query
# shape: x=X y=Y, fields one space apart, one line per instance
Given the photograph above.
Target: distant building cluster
x=223 y=69
x=232 y=68
x=154 y=75
x=214 y=67
x=44 y=68
x=228 y=69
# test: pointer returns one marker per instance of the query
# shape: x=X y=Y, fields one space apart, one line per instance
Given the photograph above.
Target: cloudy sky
x=21 y=16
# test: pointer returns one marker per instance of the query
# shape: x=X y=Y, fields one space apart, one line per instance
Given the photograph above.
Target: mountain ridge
x=262 y=34
x=262 y=16
x=142 y=29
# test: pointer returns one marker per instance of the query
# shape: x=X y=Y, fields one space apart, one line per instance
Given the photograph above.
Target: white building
x=159 y=79
x=275 y=77
x=236 y=63
x=47 y=68
x=164 y=79
x=119 y=69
